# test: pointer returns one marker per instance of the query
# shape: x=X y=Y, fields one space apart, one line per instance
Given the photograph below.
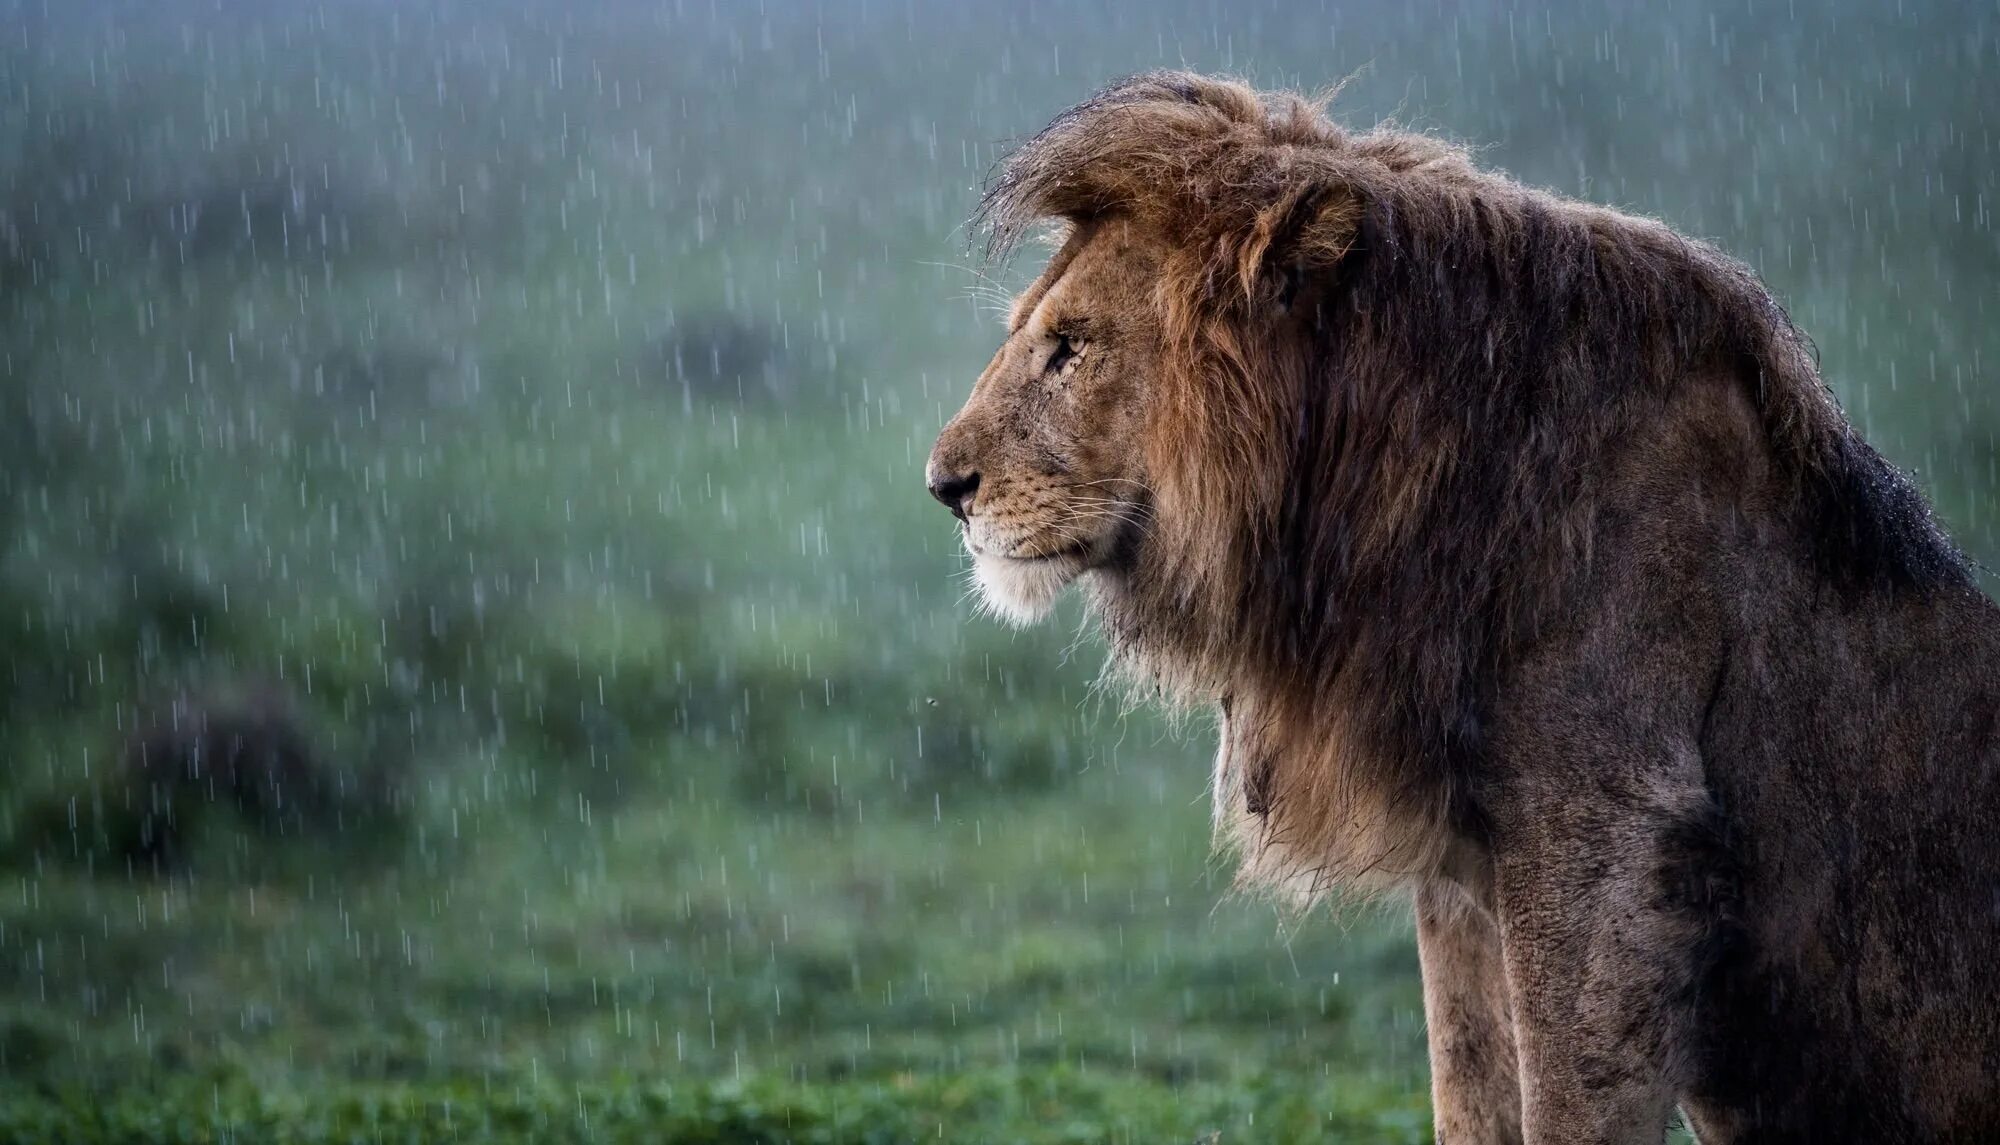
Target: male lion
x=1531 y=567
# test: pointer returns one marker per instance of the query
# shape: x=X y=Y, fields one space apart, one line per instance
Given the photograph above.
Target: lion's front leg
x=1475 y=1081
x=1601 y=959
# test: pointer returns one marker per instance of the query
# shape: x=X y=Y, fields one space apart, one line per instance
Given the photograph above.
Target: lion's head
x=1045 y=464
x=1320 y=418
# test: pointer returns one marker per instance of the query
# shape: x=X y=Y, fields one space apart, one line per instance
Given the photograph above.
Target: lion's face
x=1044 y=465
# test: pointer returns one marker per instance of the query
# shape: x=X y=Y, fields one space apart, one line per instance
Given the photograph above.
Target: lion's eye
x=1067 y=349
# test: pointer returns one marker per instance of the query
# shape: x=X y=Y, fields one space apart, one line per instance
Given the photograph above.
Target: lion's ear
x=1308 y=230
x=1329 y=234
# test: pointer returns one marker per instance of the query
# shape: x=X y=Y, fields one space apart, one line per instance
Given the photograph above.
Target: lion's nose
x=955 y=491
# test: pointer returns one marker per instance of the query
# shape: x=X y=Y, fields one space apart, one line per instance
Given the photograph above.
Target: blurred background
x=479 y=657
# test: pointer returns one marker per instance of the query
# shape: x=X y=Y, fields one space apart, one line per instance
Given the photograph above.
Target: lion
x=1531 y=570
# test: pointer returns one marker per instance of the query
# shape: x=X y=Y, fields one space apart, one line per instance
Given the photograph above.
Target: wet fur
x=1533 y=567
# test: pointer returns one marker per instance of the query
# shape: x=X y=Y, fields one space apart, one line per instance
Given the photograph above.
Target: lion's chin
x=1023 y=592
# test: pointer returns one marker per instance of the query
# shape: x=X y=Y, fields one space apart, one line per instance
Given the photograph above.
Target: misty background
x=480 y=658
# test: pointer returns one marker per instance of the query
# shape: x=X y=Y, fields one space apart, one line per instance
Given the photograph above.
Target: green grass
x=700 y=807
x=667 y=931
x=1053 y=1106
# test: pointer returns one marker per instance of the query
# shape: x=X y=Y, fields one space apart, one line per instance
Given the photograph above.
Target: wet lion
x=1533 y=572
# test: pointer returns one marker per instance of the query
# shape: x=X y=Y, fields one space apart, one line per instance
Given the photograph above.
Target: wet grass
x=706 y=809
x=1054 y=1106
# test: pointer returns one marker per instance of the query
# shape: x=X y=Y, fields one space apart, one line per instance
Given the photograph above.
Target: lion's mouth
x=1075 y=552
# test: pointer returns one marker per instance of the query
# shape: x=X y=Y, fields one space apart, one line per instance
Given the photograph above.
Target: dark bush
x=207 y=758
x=250 y=751
x=724 y=357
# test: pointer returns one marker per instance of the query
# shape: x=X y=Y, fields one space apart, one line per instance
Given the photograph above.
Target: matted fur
x=1388 y=381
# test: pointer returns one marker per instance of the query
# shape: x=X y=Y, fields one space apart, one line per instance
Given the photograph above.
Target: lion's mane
x=1389 y=383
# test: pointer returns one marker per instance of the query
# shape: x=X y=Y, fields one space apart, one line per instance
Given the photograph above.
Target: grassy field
x=481 y=663
x=746 y=857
